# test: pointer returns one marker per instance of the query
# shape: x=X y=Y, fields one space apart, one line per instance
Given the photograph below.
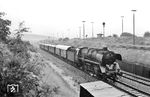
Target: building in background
x=99 y=35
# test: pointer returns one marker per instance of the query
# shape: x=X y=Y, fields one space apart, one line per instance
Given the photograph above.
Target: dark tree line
x=4 y=27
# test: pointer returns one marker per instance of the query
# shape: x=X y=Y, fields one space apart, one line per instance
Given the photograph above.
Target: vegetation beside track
x=20 y=64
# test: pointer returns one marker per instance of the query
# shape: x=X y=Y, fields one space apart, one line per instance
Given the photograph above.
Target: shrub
x=27 y=74
x=60 y=39
x=126 y=34
x=115 y=35
x=66 y=39
x=21 y=29
x=147 y=34
x=13 y=72
x=18 y=67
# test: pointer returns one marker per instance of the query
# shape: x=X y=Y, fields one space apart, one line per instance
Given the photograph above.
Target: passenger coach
x=61 y=50
x=51 y=48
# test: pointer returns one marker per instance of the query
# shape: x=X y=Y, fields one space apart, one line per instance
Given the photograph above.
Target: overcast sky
x=63 y=17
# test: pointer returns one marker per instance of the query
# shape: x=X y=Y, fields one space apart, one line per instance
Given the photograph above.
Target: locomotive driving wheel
x=96 y=70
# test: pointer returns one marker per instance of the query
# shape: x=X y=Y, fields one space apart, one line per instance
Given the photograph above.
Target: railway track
x=136 y=78
x=127 y=87
x=124 y=84
x=139 y=85
x=134 y=85
x=130 y=88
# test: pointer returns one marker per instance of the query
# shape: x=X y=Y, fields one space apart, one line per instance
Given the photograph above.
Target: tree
x=147 y=34
x=4 y=27
x=21 y=29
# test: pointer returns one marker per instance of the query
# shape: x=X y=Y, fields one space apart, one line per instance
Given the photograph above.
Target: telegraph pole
x=122 y=23
x=133 y=26
x=83 y=29
x=103 y=29
x=92 y=30
x=79 y=32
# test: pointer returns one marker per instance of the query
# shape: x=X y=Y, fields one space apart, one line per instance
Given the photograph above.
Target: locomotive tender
x=97 y=62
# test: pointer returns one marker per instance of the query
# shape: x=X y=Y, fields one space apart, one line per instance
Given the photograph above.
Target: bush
x=19 y=48
x=13 y=72
x=115 y=35
x=60 y=39
x=126 y=34
x=147 y=34
x=66 y=39
x=17 y=67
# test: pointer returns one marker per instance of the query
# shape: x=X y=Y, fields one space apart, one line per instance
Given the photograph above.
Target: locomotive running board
x=86 y=60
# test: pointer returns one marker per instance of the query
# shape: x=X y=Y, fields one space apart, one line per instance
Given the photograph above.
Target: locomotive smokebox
x=109 y=58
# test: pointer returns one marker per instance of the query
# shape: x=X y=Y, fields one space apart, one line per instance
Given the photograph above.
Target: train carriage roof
x=82 y=47
x=48 y=45
x=64 y=47
x=72 y=48
x=41 y=43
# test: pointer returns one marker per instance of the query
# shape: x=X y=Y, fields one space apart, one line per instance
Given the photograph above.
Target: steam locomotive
x=97 y=62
